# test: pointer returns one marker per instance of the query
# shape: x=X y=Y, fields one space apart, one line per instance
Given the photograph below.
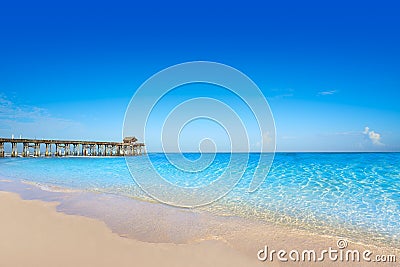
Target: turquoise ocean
x=340 y=194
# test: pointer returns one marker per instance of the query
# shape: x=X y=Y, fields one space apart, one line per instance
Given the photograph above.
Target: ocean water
x=352 y=195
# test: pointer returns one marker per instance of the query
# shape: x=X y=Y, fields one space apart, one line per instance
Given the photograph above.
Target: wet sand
x=34 y=234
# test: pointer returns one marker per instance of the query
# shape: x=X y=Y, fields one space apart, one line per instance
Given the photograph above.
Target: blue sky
x=328 y=70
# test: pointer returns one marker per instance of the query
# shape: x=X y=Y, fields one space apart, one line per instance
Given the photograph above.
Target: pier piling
x=14 y=151
x=2 y=154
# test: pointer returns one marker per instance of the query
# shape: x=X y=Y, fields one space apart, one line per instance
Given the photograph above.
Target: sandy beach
x=34 y=234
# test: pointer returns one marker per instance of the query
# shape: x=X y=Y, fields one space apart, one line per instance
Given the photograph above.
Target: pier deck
x=59 y=148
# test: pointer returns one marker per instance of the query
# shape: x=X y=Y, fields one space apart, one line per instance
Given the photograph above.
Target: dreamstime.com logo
x=340 y=253
x=145 y=101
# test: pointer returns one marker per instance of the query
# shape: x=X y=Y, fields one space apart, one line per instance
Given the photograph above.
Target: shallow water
x=355 y=195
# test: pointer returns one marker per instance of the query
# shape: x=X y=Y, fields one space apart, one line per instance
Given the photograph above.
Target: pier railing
x=60 y=148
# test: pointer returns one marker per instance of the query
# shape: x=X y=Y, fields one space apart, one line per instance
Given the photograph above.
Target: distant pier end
x=23 y=147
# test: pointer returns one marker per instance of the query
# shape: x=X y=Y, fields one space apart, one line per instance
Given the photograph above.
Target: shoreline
x=258 y=222
x=154 y=223
x=55 y=239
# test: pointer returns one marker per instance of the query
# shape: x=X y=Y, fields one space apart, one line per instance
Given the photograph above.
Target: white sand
x=32 y=233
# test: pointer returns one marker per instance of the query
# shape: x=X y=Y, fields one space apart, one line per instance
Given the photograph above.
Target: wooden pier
x=61 y=148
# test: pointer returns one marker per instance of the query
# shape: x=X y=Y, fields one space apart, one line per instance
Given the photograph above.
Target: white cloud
x=346 y=133
x=31 y=120
x=373 y=136
x=331 y=92
x=267 y=138
x=281 y=93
